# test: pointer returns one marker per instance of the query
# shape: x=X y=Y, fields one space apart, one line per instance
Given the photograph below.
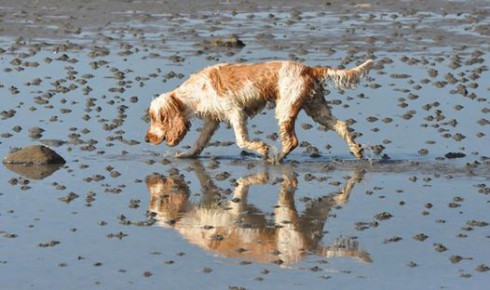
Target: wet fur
x=232 y=93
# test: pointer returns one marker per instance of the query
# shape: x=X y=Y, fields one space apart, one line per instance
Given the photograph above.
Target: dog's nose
x=147 y=139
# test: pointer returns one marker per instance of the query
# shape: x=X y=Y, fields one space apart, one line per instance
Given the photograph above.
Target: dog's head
x=167 y=121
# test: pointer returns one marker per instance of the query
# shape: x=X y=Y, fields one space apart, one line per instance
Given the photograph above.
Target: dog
x=234 y=92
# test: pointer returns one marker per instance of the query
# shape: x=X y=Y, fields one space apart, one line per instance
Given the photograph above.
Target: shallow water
x=124 y=214
x=365 y=224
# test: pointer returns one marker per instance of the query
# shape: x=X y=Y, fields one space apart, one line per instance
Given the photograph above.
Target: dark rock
x=36 y=155
x=233 y=41
x=453 y=155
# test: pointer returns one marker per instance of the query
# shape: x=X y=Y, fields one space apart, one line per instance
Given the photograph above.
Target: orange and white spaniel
x=234 y=92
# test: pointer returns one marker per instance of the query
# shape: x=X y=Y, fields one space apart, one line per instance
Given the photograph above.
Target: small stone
x=147 y=274
x=232 y=41
x=412 y=264
x=440 y=247
x=453 y=155
x=482 y=268
x=420 y=237
x=455 y=259
x=207 y=270
x=383 y=216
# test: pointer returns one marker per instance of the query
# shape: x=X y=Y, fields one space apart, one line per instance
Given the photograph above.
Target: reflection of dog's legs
x=346 y=247
x=291 y=240
x=285 y=212
x=317 y=212
x=239 y=200
x=210 y=192
x=207 y=132
x=343 y=195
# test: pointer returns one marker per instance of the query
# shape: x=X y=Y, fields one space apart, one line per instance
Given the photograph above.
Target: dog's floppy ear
x=174 y=121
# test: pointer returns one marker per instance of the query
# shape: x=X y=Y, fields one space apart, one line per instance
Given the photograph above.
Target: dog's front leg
x=239 y=123
x=207 y=132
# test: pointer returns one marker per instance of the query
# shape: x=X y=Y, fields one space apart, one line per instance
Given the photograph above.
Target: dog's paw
x=276 y=159
x=358 y=151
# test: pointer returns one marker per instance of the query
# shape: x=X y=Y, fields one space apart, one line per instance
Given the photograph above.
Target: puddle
x=122 y=214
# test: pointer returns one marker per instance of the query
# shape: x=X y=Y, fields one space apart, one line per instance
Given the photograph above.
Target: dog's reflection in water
x=234 y=228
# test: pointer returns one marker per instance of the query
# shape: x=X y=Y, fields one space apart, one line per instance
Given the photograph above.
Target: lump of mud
x=34 y=162
x=232 y=41
x=34 y=155
x=453 y=155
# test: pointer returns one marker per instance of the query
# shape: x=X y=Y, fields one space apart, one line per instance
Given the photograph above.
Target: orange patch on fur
x=231 y=79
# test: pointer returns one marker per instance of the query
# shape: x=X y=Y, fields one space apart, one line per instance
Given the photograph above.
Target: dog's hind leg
x=344 y=131
x=289 y=141
x=317 y=108
x=286 y=115
x=207 y=132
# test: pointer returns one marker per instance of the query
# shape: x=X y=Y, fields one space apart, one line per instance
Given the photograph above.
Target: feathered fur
x=234 y=92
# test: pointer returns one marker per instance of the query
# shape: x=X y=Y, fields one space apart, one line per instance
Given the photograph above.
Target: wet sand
x=122 y=214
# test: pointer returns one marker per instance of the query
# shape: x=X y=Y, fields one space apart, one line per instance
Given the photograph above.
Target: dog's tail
x=343 y=78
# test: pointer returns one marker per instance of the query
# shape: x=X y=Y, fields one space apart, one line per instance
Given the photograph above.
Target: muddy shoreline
x=78 y=76
x=385 y=25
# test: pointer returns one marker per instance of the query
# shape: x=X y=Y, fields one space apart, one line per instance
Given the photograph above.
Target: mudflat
x=78 y=77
